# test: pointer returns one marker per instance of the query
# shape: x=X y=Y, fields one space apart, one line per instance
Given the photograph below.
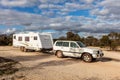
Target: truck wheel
x=59 y=54
x=87 y=57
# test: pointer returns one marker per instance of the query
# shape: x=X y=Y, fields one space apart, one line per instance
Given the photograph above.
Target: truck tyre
x=59 y=54
x=87 y=57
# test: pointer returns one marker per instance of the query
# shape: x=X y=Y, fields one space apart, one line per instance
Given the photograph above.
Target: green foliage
x=5 y=39
x=112 y=40
x=91 y=41
x=62 y=38
x=115 y=40
x=105 y=41
x=73 y=36
x=114 y=45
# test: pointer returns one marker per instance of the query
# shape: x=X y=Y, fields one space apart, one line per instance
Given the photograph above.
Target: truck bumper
x=98 y=55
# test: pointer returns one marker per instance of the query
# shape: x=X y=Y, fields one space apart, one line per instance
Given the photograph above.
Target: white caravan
x=33 y=41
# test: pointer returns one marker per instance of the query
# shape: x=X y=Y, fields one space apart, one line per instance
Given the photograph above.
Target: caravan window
x=35 y=37
x=27 y=39
x=14 y=37
x=19 y=38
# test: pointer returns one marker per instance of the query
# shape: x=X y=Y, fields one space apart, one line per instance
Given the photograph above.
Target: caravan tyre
x=21 y=48
x=24 y=49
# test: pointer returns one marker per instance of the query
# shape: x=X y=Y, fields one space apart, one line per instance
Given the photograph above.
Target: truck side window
x=73 y=45
x=19 y=38
x=35 y=37
x=59 y=43
x=66 y=44
x=27 y=39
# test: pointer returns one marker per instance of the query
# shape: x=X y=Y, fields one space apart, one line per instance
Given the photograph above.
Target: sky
x=85 y=17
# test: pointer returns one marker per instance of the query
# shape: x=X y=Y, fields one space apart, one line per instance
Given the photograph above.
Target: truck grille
x=98 y=52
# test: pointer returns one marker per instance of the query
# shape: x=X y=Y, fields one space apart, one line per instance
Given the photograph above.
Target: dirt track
x=45 y=66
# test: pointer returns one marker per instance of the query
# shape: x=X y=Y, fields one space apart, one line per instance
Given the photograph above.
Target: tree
x=73 y=36
x=5 y=39
x=105 y=41
x=115 y=40
x=70 y=35
x=91 y=41
x=111 y=40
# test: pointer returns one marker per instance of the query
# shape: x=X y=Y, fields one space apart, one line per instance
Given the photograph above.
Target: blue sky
x=85 y=17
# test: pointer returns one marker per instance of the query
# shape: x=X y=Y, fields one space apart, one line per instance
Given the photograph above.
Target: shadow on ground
x=8 y=66
x=63 y=62
x=107 y=59
x=114 y=50
x=32 y=58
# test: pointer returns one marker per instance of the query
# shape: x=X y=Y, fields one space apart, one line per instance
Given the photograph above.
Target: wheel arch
x=87 y=57
x=56 y=52
x=86 y=53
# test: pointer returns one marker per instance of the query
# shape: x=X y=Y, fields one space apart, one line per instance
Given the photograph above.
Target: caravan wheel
x=24 y=49
x=21 y=48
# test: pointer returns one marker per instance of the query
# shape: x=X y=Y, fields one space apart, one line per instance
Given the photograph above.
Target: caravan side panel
x=33 y=41
x=17 y=40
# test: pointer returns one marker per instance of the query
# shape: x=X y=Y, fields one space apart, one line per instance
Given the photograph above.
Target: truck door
x=65 y=48
x=74 y=49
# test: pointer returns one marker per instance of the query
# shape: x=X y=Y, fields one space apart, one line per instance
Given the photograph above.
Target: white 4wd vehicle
x=76 y=49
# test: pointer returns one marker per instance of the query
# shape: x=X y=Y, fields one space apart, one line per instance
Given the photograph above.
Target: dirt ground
x=46 y=66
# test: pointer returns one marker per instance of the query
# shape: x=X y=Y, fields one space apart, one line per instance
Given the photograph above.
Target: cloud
x=110 y=3
x=13 y=18
x=58 y=7
x=66 y=23
x=101 y=12
x=55 y=24
x=51 y=6
x=9 y=31
x=89 y=1
x=18 y=3
x=64 y=7
x=108 y=10
x=52 y=1
x=13 y=3
x=104 y=16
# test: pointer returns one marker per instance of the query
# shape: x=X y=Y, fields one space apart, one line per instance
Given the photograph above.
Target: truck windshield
x=81 y=44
